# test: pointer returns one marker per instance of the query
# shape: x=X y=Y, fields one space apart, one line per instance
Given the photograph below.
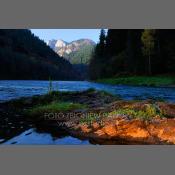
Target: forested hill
x=76 y=52
x=134 y=52
x=25 y=56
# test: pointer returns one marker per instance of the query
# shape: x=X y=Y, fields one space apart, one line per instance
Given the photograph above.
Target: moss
x=53 y=108
x=146 y=113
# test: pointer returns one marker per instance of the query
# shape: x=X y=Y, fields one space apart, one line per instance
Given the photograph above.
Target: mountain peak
x=60 y=43
x=66 y=49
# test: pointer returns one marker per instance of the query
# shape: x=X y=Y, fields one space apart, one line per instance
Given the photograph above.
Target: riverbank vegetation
x=147 y=112
x=140 y=80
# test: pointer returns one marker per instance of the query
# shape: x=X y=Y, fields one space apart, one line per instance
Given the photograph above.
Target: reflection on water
x=32 y=137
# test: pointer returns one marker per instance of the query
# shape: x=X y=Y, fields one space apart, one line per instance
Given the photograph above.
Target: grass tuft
x=54 y=107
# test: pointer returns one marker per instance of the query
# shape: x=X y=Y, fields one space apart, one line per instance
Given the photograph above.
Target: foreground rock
x=122 y=129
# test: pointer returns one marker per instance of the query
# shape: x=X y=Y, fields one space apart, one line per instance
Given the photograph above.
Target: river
x=16 y=89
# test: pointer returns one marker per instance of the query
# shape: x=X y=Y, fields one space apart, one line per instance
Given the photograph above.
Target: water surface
x=16 y=89
x=32 y=137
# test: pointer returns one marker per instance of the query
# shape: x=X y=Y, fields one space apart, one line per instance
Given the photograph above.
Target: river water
x=16 y=89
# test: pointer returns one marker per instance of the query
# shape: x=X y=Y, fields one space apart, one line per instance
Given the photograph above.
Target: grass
x=140 y=80
x=147 y=113
x=57 y=96
x=54 y=107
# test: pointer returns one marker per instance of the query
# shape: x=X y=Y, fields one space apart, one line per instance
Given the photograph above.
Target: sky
x=67 y=34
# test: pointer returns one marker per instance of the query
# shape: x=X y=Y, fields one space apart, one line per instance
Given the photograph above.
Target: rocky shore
x=94 y=115
x=124 y=129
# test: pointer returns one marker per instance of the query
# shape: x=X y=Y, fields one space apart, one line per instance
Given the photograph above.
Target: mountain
x=25 y=56
x=77 y=52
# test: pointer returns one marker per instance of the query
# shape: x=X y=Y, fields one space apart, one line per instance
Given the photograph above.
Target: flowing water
x=16 y=89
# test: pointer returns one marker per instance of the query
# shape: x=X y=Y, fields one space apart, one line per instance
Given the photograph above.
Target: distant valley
x=77 y=52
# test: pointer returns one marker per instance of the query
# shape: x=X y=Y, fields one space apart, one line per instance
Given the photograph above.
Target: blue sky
x=67 y=34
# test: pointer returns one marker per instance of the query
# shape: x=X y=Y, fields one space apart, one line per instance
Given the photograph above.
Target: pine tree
x=97 y=63
x=134 y=61
x=148 y=41
x=100 y=48
x=116 y=41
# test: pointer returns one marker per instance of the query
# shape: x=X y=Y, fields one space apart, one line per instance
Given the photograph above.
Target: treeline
x=25 y=56
x=133 y=52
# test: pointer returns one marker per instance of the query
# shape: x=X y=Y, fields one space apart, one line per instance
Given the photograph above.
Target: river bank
x=152 y=81
x=98 y=116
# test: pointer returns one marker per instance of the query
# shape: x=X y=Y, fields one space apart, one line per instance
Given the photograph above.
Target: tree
x=148 y=41
x=116 y=40
x=134 y=61
x=21 y=52
x=165 y=40
x=100 y=48
x=137 y=52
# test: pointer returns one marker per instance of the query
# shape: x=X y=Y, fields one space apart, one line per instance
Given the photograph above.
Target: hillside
x=77 y=52
x=25 y=56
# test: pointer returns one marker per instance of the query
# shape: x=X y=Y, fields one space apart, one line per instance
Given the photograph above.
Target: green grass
x=54 y=107
x=140 y=80
x=149 y=112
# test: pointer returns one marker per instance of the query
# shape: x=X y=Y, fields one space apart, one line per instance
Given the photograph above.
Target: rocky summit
x=77 y=51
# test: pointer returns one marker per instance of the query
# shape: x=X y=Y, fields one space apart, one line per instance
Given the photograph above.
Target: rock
x=84 y=128
x=95 y=126
x=164 y=130
x=120 y=121
x=110 y=130
x=134 y=128
x=167 y=109
x=133 y=131
x=100 y=134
